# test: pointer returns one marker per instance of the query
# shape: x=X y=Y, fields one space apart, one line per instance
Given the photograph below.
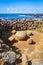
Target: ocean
x=19 y=16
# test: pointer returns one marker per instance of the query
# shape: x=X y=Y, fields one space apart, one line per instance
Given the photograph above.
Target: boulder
x=13 y=31
x=21 y=35
x=29 y=33
x=9 y=56
x=11 y=38
x=30 y=41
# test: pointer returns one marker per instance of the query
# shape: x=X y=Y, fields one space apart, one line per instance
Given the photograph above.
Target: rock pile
x=22 y=24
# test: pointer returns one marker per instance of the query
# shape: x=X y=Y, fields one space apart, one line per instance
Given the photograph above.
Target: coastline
x=13 y=16
x=19 y=39
x=21 y=24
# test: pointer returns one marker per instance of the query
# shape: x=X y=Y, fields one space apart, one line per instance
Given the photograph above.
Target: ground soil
x=37 y=37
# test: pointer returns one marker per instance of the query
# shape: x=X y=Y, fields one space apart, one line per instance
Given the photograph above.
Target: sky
x=21 y=6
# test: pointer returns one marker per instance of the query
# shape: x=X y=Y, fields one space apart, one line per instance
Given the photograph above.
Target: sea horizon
x=11 y=16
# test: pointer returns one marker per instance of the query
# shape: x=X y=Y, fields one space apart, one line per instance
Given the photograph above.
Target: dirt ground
x=37 y=37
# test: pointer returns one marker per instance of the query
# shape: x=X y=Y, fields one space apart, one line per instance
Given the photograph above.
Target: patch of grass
x=40 y=30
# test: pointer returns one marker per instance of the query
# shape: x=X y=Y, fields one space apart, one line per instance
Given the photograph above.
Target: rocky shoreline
x=23 y=24
x=19 y=44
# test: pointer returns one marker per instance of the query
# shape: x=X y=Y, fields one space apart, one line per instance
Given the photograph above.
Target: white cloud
x=20 y=10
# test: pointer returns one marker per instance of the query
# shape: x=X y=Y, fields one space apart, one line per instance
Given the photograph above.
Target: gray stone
x=9 y=56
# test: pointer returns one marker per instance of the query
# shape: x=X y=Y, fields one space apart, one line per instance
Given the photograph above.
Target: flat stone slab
x=37 y=62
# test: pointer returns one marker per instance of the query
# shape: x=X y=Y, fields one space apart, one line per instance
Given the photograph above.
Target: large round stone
x=21 y=35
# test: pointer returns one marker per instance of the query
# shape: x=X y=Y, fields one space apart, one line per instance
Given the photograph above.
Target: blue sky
x=21 y=6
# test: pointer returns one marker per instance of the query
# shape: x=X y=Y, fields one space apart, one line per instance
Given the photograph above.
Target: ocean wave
x=22 y=15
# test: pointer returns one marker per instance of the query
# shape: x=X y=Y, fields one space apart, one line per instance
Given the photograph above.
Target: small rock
x=11 y=38
x=13 y=31
x=3 y=45
x=29 y=33
x=30 y=41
